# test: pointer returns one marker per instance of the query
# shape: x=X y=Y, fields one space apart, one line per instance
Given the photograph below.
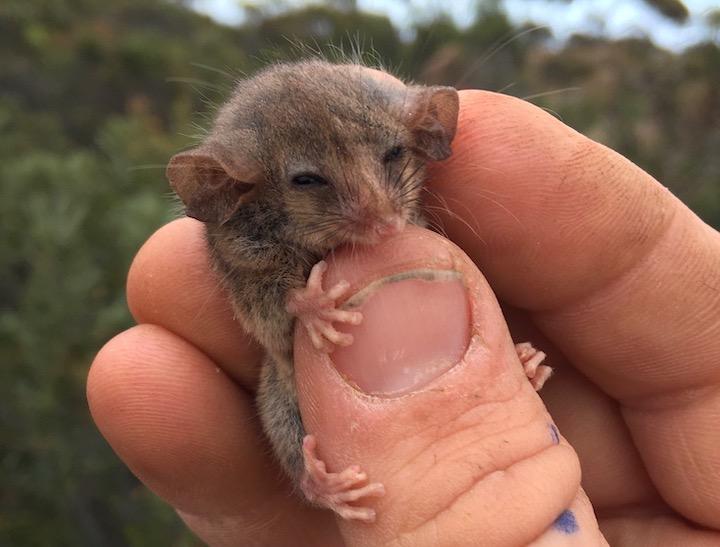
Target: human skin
x=593 y=260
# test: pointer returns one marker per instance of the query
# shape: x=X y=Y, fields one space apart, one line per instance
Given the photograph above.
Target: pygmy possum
x=302 y=158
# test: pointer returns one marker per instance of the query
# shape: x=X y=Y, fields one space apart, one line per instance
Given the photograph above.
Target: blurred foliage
x=96 y=96
x=674 y=9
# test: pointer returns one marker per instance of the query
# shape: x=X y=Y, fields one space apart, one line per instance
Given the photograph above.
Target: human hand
x=606 y=272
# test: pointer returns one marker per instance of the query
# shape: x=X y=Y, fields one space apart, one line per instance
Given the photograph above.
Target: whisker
x=459 y=218
x=217 y=70
x=196 y=82
x=417 y=184
x=147 y=166
x=401 y=173
x=494 y=51
x=481 y=195
x=437 y=223
x=504 y=88
x=548 y=93
x=446 y=208
x=551 y=111
x=409 y=189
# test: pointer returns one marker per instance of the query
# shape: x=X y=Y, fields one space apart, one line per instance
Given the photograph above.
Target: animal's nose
x=390 y=226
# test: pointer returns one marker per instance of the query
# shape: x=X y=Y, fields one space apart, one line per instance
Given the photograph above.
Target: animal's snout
x=390 y=226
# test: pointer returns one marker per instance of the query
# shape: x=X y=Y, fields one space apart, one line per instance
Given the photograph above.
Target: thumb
x=431 y=401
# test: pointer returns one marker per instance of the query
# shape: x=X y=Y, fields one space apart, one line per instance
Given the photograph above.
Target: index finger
x=619 y=274
x=172 y=284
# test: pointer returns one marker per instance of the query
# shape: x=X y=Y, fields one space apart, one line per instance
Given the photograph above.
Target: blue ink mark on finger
x=555 y=434
x=566 y=522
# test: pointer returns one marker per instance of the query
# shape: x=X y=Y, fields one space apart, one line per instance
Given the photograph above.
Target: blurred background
x=95 y=97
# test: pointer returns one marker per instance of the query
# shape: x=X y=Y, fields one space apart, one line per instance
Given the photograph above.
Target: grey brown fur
x=265 y=232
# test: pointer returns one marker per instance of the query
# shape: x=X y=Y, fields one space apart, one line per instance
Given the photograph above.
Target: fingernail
x=416 y=326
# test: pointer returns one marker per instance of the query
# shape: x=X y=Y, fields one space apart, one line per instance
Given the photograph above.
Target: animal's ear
x=433 y=114
x=210 y=187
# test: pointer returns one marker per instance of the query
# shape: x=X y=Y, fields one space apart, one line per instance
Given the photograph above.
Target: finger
x=616 y=271
x=315 y=336
x=337 y=291
x=574 y=526
x=334 y=336
x=315 y=278
x=655 y=529
x=190 y=434
x=613 y=474
x=352 y=318
x=431 y=401
x=172 y=284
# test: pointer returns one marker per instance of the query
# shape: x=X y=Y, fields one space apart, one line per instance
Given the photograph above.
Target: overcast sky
x=614 y=18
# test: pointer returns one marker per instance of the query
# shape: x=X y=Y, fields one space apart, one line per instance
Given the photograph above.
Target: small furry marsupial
x=302 y=158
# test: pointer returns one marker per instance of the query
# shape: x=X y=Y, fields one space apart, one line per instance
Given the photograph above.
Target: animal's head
x=339 y=149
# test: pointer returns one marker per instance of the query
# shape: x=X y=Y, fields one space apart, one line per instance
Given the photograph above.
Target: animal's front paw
x=336 y=491
x=316 y=309
x=531 y=360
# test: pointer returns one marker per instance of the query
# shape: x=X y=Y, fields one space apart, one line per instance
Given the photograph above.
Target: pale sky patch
x=611 y=18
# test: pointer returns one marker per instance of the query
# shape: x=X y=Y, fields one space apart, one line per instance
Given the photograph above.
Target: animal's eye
x=393 y=154
x=309 y=179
